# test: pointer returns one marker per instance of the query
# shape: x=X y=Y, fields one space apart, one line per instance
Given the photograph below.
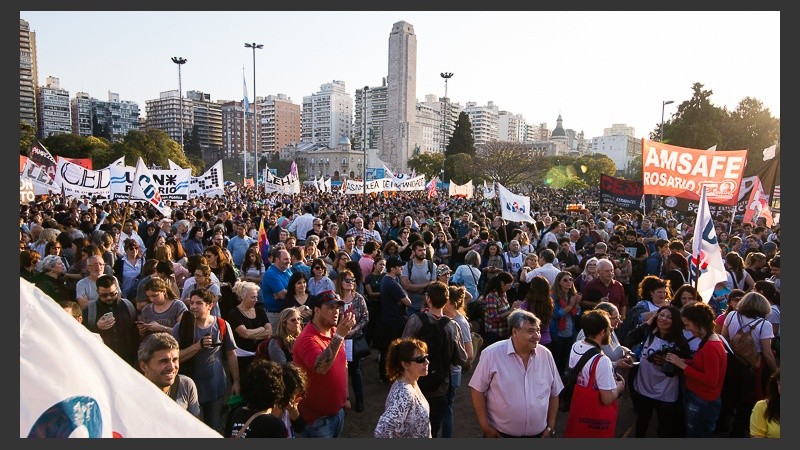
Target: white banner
x=209 y=184
x=516 y=208
x=80 y=182
x=72 y=385
x=488 y=191
x=354 y=187
x=289 y=184
x=144 y=187
x=38 y=177
x=461 y=190
x=173 y=185
x=26 y=191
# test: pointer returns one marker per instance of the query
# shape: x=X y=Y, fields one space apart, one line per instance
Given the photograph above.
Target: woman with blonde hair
x=407 y=412
x=279 y=346
x=353 y=301
x=164 y=253
x=248 y=321
x=163 y=309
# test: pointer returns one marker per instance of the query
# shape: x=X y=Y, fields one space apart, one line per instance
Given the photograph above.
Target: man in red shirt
x=610 y=289
x=319 y=352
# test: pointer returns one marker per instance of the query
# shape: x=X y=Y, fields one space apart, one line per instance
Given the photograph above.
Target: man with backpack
x=445 y=348
x=417 y=273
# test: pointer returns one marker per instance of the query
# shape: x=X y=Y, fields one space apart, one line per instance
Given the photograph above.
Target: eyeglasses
x=349 y=280
x=293 y=320
x=422 y=359
x=566 y=279
x=108 y=294
x=317 y=267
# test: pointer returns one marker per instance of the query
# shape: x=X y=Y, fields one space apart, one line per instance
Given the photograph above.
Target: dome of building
x=558 y=132
x=344 y=140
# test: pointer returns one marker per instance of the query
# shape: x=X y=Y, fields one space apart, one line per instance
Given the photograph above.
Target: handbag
x=240 y=434
x=588 y=416
x=360 y=347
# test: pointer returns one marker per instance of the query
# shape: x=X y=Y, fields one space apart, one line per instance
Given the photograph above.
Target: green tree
x=27 y=136
x=590 y=167
x=191 y=144
x=462 y=140
x=752 y=127
x=462 y=166
x=429 y=164
x=74 y=146
x=154 y=147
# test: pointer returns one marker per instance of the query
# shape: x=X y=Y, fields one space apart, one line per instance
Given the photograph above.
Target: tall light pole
x=254 y=46
x=663 y=104
x=180 y=61
x=445 y=113
x=364 y=137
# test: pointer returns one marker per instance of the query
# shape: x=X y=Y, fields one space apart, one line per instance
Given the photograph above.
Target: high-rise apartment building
x=52 y=109
x=164 y=113
x=327 y=115
x=401 y=134
x=511 y=127
x=237 y=133
x=370 y=117
x=28 y=78
x=117 y=116
x=484 y=122
x=81 y=106
x=207 y=118
x=280 y=123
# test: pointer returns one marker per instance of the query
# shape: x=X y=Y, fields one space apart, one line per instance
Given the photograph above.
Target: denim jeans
x=212 y=414
x=700 y=415
x=325 y=427
x=447 y=418
x=354 y=373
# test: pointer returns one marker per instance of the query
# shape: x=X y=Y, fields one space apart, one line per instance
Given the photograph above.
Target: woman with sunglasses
x=297 y=294
x=407 y=411
x=353 y=301
x=320 y=279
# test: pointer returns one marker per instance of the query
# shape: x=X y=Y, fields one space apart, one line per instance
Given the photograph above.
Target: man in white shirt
x=301 y=225
x=547 y=270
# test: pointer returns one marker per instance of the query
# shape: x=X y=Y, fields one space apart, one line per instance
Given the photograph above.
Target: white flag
x=327 y=185
x=72 y=385
x=769 y=152
x=173 y=165
x=713 y=148
x=144 y=186
x=706 y=253
x=516 y=208
x=119 y=162
x=488 y=191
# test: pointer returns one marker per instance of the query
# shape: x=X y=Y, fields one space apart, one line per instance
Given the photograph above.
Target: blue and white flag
x=706 y=257
x=144 y=186
x=516 y=208
x=244 y=90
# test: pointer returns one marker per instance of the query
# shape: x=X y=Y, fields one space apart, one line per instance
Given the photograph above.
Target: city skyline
x=595 y=69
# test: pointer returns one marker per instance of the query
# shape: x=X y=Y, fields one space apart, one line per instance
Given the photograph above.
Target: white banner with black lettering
x=80 y=182
x=173 y=185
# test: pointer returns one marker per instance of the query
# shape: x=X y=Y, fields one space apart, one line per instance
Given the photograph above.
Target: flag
x=246 y=101
x=326 y=185
x=387 y=173
x=431 y=187
x=121 y=162
x=41 y=156
x=516 y=208
x=757 y=205
x=413 y=173
x=488 y=191
x=769 y=152
x=293 y=169
x=706 y=267
x=263 y=243
x=73 y=385
x=712 y=148
x=144 y=187
x=173 y=165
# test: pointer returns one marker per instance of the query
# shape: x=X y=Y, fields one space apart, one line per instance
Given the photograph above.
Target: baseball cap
x=324 y=298
x=443 y=269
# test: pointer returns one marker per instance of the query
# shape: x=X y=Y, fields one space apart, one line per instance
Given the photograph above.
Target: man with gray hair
x=159 y=361
x=516 y=384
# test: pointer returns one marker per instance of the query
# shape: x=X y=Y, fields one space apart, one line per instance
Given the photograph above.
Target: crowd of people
x=271 y=343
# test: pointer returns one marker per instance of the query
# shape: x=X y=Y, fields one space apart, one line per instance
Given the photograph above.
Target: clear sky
x=594 y=68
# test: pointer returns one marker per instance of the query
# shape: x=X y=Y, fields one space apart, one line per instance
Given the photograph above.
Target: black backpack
x=439 y=353
x=571 y=378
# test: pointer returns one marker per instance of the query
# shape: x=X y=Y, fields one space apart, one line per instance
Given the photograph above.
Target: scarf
x=562 y=322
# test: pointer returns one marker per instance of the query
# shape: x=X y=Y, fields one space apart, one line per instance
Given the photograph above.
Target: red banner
x=22 y=160
x=86 y=163
x=670 y=170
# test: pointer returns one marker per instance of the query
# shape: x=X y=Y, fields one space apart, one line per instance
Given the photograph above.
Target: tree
x=462 y=140
x=590 y=167
x=462 y=166
x=74 y=146
x=154 y=147
x=509 y=163
x=426 y=163
x=191 y=144
x=27 y=136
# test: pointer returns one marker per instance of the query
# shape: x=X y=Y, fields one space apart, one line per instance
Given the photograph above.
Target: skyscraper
x=401 y=133
x=28 y=79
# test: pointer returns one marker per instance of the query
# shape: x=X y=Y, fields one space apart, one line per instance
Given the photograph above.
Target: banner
x=86 y=163
x=670 y=170
x=144 y=187
x=516 y=208
x=22 y=160
x=623 y=193
x=431 y=187
x=488 y=191
x=288 y=184
x=691 y=207
x=79 y=182
x=209 y=184
x=73 y=385
x=26 y=192
x=173 y=185
x=40 y=180
x=706 y=254
x=757 y=205
x=41 y=156
x=464 y=190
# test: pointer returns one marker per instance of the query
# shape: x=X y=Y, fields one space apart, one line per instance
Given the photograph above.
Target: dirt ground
x=361 y=425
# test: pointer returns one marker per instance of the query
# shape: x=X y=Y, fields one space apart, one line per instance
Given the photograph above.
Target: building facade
x=164 y=113
x=207 y=120
x=81 y=106
x=119 y=116
x=327 y=115
x=53 y=109
x=484 y=121
x=280 y=123
x=28 y=78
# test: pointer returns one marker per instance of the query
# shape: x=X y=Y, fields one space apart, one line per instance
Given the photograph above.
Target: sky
x=594 y=68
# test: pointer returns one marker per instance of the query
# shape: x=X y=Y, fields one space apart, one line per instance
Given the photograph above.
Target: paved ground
x=359 y=425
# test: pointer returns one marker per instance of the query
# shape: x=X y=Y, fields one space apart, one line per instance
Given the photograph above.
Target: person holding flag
x=706 y=265
x=263 y=243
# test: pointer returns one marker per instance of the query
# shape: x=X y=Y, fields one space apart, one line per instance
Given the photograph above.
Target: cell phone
x=108 y=315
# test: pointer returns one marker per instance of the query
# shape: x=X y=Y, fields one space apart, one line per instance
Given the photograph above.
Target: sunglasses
x=317 y=267
x=422 y=359
x=108 y=294
x=349 y=280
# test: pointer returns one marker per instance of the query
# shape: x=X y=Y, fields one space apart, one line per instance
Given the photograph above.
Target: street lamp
x=446 y=112
x=364 y=137
x=254 y=46
x=663 y=104
x=180 y=61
